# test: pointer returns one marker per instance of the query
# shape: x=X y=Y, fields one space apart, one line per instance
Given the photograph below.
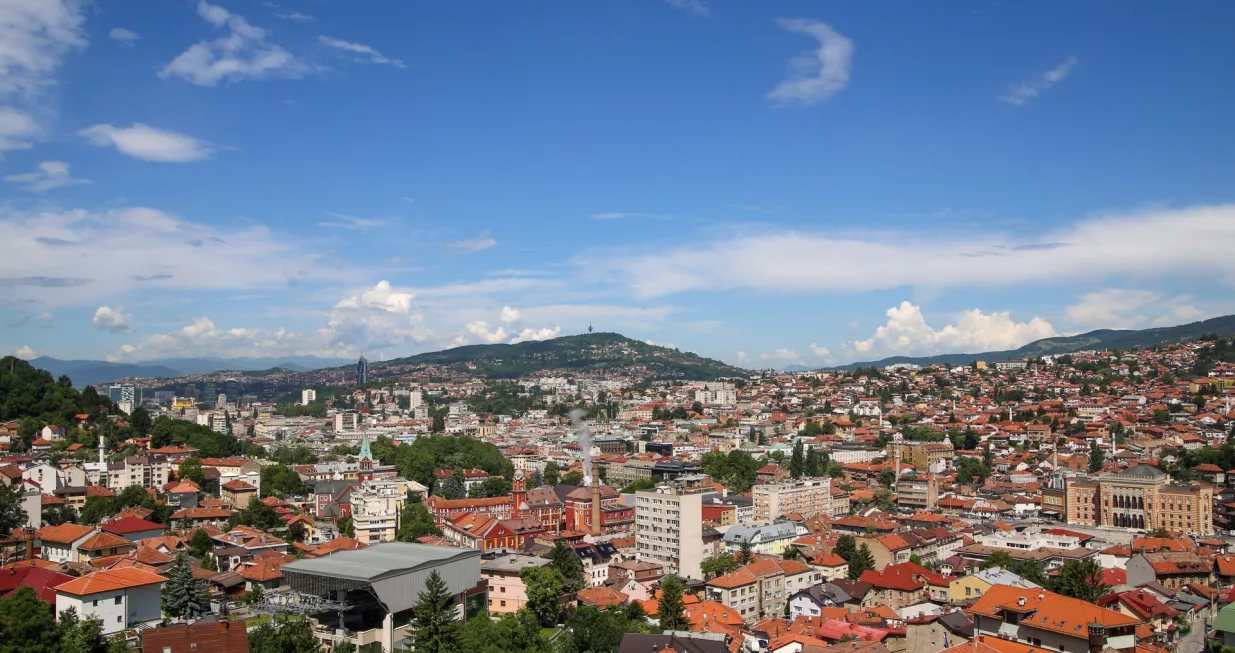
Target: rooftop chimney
x=1097 y=637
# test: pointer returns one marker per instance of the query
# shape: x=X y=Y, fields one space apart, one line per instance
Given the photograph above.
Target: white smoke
x=584 y=437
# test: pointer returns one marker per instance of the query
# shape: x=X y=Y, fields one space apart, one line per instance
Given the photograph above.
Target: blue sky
x=767 y=183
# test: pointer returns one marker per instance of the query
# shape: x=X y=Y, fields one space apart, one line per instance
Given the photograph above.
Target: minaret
x=102 y=450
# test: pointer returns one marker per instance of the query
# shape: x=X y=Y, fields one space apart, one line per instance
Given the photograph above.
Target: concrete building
x=375 y=510
x=378 y=586
x=761 y=589
x=669 y=530
x=308 y=396
x=920 y=492
x=771 y=539
x=807 y=497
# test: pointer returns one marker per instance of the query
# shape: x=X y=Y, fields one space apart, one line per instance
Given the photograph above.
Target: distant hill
x=1100 y=339
x=208 y=365
x=92 y=372
x=591 y=352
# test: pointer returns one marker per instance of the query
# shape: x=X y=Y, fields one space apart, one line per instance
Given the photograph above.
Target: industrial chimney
x=595 y=499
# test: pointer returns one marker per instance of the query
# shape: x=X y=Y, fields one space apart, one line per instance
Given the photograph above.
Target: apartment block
x=669 y=530
x=807 y=497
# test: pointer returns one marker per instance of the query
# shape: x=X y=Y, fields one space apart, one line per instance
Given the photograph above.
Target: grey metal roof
x=395 y=572
x=379 y=561
x=513 y=563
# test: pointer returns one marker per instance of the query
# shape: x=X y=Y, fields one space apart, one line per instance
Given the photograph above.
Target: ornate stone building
x=1141 y=498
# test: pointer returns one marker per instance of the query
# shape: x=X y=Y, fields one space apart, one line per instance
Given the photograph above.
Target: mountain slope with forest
x=591 y=353
x=1100 y=339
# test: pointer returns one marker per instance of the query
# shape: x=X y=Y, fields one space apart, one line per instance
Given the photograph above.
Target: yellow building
x=1141 y=498
x=975 y=585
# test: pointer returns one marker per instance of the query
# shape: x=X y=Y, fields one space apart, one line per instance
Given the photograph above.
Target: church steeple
x=366 y=456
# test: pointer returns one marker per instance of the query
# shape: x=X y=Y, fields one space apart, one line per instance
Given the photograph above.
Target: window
x=118 y=619
x=96 y=603
x=117 y=600
x=503 y=604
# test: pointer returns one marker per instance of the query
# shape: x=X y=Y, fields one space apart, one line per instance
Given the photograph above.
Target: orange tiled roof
x=109 y=580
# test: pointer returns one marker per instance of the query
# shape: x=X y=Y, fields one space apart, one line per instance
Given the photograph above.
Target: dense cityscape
x=640 y=326
x=1063 y=503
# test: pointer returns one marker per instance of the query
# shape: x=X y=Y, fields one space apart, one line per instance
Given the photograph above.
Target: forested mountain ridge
x=591 y=353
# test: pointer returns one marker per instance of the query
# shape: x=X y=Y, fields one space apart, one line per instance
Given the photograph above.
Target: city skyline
x=766 y=184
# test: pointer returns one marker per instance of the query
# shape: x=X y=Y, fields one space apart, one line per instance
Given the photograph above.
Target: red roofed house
x=238 y=493
x=134 y=529
x=120 y=598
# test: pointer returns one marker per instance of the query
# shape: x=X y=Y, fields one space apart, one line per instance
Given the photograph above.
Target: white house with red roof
x=121 y=598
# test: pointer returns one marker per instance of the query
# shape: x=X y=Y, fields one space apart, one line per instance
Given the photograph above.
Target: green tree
x=80 y=635
x=970 y=470
x=27 y=624
x=495 y=486
x=672 y=609
x=845 y=547
x=435 y=630
x=545 y=586
x=200 y=544
x=797 y=462
x=286 y=635
x=12 y=514
x=862 y=561
x=887 y=477
x=345 y=526
x=639 y=486
x=745 y=552
x=191 y=470
x=282 y=481
x=184 y=597
x=416 y=522
x=258 y=515
x=551 y=474
x=57 y=515
x=1080 y=579
x=591 y=631
x=718 y=565
x=139 y=421
x=513 y=633
x=1097 y=457
x=1000 y=559
x=573 y=478
x=566 y=561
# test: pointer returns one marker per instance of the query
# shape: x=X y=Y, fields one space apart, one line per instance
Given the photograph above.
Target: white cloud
x=819 y=350
x=666 y=345
x=1020 y=93
x=369 y=54
x=25 y=353
x=125 y=36
x=35 y=37
x=342 y=221
x=16 y=129
x=48 y=175
x=781 y=355
x=148 y=143
x=204 y=338
x=783 y=261
x=296 y=17
x=815 y=76
x=545 y=333
x=693 y=6
x=378 y=317
x=78 y=257
x=480 y=329
x=907 y=333
x=472 y=245
x=112 y=320
x=509 y=314
x=382 y=297
x=1130 y=308
x=244 y=53
x=742 y=358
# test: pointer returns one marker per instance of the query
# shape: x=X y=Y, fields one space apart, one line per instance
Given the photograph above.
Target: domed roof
x=1143 y=471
